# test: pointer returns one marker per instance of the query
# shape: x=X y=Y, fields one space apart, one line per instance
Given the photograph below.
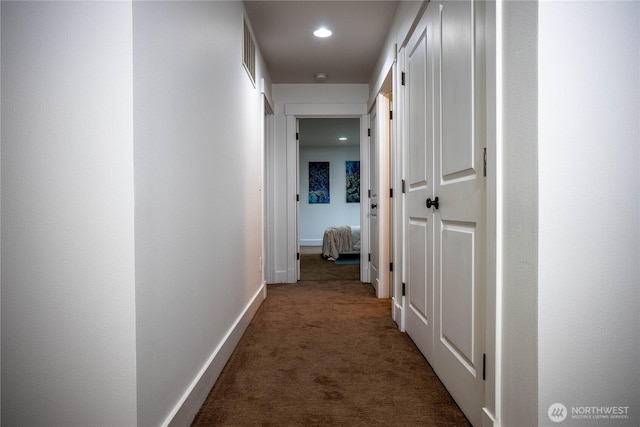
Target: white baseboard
x=398 y=313
x=364 y=272
x=310 y=242
x=488 y=420
x=376 y=286
x=280 y=277
x=292 y=275
x=190 y=403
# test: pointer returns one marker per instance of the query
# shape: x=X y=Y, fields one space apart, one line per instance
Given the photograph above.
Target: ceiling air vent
x=249 y=54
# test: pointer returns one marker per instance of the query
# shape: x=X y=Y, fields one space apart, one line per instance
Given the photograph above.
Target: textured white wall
x=68 y=313
x=589 y=297
x=314 y=218
x=198 y=136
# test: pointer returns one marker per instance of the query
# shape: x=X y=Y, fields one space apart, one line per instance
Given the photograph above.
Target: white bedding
x=340 y=240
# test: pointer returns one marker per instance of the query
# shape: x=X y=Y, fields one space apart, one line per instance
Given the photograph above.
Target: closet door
x=419 y=229
x=445 y=199
x=459 y=217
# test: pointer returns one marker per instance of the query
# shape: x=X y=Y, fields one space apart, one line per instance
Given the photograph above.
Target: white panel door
x=419 y=231
x=459 y=221
x=297 y=200
x=380 y=202
x=374 y=230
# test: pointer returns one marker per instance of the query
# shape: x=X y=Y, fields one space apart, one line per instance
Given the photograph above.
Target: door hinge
x=369 y=193
x=298 y=256
x=297 y=197
x=391 y=192
x=390 y=114
x=404 y=190
x=402 y=78
x=369 y=256
x=297 y=136
x=369 y=132
x=391 y=267
x=404 y=288
x=484 y=159
x=484 y=366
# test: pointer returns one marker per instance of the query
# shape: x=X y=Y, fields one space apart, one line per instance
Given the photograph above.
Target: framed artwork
x=353 y=181
x=319 y=183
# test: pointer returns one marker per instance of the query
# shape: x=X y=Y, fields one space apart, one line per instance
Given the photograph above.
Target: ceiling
x=325 y=132
x=284 y=33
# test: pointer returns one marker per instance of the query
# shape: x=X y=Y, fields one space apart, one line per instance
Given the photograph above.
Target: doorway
x=285 y=265
x=329 y=191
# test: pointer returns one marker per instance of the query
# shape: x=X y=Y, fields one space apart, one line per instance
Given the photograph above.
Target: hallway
x=149 y=194
x=326 y=352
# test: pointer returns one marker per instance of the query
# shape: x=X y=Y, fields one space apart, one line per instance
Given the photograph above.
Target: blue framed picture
x=353 y=181
x=319 y=183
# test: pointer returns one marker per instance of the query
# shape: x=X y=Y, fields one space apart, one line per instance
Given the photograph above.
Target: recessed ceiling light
x=343 y=138
x=322 y=32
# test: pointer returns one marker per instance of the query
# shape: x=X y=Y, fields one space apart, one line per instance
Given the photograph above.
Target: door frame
x=389 y=85
x=293 y=112
x=268 y=135
x=384 y=159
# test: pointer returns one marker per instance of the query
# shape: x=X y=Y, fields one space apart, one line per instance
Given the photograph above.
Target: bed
x=340 y=240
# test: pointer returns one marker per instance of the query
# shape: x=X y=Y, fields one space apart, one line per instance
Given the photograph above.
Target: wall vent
x=249 y=54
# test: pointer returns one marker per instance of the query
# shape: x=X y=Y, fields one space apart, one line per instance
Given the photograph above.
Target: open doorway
x=329 y=212
x=382 y=181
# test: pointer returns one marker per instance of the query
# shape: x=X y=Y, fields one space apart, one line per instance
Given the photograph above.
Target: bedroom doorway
x=329 y=193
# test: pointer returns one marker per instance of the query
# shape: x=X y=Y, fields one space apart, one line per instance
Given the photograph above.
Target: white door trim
x=382 y=133
x=331 y=110
x=294 y=111
x=493 y=110
x=292 y=204
x=266 y=185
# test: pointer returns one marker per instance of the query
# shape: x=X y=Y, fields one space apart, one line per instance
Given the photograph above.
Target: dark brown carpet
x=327 y=353
x=315 y=267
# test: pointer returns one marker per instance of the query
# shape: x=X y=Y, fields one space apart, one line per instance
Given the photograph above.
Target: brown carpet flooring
x=325 y=352
x=315 y=267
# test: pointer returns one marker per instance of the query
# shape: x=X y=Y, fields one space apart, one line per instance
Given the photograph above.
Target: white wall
x=571 y=210
x=589 y=191
x=282 y=177
x=198 y=136
x=131 y=162
x=406 y=16
x=519 y=204
x=319 y=93
x=68 y=302
x=315 y=218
